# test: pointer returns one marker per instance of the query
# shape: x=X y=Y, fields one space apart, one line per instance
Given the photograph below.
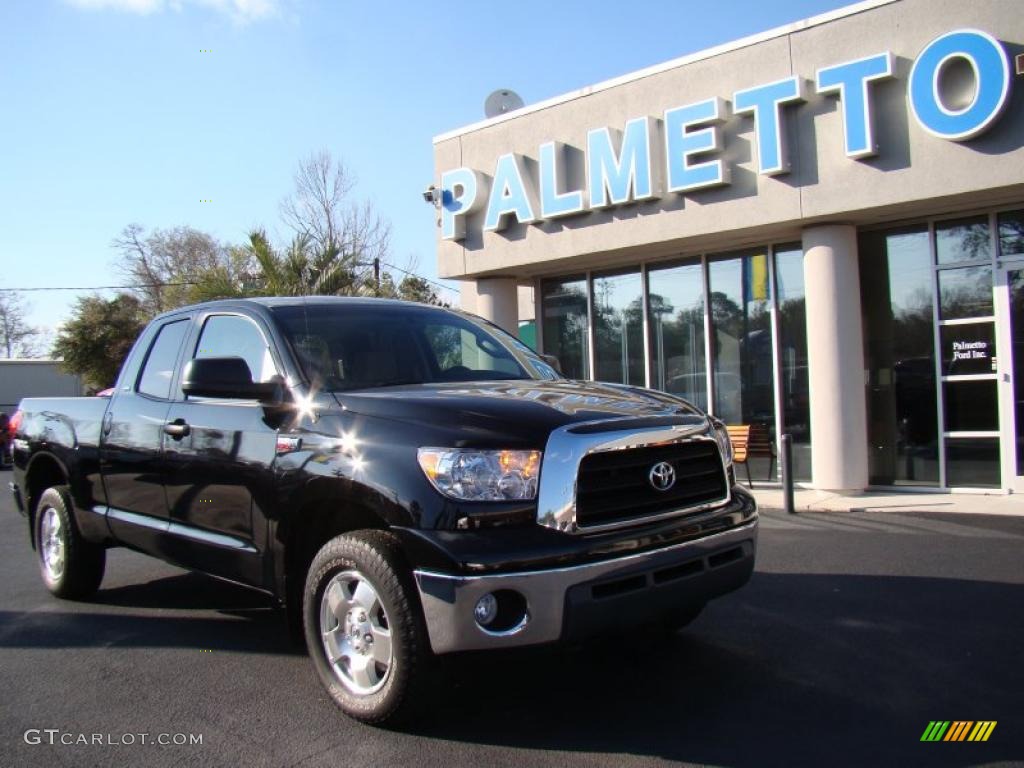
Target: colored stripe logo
x=958 y=730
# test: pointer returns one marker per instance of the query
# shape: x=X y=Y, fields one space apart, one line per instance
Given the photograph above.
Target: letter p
x=463 y=191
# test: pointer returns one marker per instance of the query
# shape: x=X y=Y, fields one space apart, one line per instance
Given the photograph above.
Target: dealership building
x=817 y=230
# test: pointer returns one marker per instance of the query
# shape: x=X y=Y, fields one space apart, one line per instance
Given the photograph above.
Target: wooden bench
x=751 y=441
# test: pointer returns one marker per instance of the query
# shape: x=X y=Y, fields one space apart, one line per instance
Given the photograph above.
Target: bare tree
x=16 y=336
x=164 y=266
x=322 y=211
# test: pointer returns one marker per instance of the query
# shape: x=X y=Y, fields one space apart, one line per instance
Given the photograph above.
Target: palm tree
x=302 y=269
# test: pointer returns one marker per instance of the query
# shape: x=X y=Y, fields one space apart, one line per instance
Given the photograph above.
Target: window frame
x=192 y=345
x=176 y=368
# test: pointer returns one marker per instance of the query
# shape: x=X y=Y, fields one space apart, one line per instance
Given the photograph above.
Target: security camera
x=432 y=195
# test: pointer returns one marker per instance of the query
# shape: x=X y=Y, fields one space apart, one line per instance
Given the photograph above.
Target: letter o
x=991 y=84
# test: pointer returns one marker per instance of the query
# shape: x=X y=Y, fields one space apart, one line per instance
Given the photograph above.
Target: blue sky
x=113 y=115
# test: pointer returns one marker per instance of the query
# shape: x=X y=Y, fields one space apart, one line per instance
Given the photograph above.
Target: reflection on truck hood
x=497 y=407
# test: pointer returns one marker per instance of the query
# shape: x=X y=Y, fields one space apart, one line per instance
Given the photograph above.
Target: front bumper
x=577 y=601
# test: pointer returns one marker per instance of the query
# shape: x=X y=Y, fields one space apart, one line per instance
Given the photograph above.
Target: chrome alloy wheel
x=51 y=544
x=356 y=633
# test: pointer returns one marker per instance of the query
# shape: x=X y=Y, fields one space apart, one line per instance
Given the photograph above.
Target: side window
x=235 y=336
x=155 y=379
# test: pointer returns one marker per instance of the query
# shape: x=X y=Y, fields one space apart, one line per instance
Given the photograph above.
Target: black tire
x=82 y=562
x=374 y=556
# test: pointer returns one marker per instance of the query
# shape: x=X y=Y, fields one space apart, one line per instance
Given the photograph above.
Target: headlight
x=471 y=475
x=722 y=438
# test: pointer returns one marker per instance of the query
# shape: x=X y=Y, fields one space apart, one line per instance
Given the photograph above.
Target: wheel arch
x=44 y=471
x=306 y=529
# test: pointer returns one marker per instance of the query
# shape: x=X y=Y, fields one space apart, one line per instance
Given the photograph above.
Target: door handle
x=177 y=429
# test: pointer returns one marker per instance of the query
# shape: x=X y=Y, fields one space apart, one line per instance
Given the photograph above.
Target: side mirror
x=553 y=362
x=227 y=377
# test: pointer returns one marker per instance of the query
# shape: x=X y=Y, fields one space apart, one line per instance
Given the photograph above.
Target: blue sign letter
x=619 y=167
x=991 y=84
x=555 y=202
x=509 y=195
x=765 y=103
x=463 y=191
x=850 y=80
x=681 y=144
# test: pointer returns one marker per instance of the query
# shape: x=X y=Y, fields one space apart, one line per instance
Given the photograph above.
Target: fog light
x=486 y=610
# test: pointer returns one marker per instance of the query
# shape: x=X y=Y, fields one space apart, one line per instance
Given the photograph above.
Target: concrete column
x=497 y=300
x=835 y=354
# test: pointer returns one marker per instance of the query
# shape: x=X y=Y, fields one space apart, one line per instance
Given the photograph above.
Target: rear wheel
x=71 y=566
x=363 y=629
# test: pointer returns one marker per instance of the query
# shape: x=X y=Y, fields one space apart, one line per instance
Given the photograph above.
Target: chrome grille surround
x=567 y=445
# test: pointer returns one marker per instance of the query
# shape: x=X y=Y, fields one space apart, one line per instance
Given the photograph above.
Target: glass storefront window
x=962 y=240
x=796 y=405
x=965 y=292
x=968 y=349
x=564 y=307
x=619 y=329
x=972 y=462
x=896 y=301
x=1011 y=233
x=970 y=406
x=742 y=346
x=676 y=320
x=909 y=277
x=1015 y=284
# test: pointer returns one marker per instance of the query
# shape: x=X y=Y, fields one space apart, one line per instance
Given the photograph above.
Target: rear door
x=133 y=433
x=218 y=470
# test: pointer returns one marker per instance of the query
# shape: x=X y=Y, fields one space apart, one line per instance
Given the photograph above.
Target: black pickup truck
x=406 y=480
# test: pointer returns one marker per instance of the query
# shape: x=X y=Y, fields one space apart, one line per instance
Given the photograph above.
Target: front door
x=1010 y=304
x=218 y=468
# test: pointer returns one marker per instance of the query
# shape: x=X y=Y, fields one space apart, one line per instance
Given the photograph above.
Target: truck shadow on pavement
x=212 y=614
x=793 y=669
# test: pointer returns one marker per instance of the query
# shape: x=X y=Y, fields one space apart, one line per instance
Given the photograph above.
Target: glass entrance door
x=1010 y=295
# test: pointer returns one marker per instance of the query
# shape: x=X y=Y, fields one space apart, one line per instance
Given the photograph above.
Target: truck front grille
x=614 y=486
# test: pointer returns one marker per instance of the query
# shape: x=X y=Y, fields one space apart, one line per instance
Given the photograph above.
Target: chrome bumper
x=689 y=568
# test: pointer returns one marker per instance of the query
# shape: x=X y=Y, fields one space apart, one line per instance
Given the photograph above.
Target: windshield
x=361 y=346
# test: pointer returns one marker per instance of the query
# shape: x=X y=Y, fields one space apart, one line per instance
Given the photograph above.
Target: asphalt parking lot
x=856 y=630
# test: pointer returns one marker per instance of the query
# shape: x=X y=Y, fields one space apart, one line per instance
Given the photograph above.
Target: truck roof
x=285 y=301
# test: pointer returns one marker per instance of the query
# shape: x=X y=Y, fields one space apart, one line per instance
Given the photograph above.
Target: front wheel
x=71 y=566
x=363 y=630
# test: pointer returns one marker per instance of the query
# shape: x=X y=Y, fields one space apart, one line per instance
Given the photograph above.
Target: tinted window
x=676 y=319
x=234 y=336
x=155 y=379
x=742 y=343
x=962 y=240
x=899 y=356
x=796 y=392
x=564 y=303
x=1011 y=233
x=619 y=328
x=361 y=346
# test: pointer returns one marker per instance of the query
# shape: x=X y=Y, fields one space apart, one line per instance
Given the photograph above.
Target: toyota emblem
x=662 y=476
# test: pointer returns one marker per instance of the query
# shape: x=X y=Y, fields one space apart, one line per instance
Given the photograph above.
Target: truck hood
x=515 y=411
